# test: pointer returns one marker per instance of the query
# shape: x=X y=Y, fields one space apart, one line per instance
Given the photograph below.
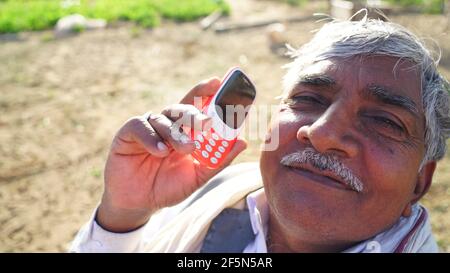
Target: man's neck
x=279 y=240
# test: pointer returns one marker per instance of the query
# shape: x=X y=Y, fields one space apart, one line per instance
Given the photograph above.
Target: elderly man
x=364 y=118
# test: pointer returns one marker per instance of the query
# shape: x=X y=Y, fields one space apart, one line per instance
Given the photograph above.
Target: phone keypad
x=210 y=148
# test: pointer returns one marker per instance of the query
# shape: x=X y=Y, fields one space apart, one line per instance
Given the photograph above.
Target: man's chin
x=305 y=206
x=306 y=201
x=305 y=214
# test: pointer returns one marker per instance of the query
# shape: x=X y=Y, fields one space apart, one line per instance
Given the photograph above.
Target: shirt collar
x=259 y=211
x=385 y=241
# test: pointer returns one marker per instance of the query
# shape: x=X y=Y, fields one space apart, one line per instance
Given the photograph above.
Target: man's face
x=365 y=112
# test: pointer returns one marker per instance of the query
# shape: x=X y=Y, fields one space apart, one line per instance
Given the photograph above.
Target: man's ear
x=423 y=184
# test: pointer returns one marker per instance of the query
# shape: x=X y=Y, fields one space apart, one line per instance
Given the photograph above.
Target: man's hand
x=149 y=168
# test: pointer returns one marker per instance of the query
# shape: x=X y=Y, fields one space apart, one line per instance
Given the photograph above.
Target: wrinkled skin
x=382 y=144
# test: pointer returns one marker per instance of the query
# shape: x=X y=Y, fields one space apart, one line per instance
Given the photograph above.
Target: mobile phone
x=228 y=108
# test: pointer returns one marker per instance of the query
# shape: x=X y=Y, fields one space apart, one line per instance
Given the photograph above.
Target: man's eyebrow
x=316 y=80
x=386 y=96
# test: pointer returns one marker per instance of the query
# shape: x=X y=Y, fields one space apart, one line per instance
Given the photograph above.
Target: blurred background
x=71 y=72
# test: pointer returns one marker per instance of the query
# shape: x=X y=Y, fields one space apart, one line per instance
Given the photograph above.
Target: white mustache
x=323 y=162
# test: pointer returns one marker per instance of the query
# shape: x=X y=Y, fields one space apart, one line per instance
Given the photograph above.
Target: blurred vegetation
x=295 y=2
x=428 y=6
x=20 y=15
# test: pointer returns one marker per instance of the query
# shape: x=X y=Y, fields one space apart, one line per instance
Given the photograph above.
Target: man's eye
x=304 y=99
x=388 y=123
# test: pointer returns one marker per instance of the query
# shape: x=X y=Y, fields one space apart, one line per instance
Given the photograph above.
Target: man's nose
x=331 y=133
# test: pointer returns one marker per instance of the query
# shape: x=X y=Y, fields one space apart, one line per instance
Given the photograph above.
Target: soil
x=61 y=101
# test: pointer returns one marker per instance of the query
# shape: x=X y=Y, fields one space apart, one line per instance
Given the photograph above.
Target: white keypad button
x=208 y=148
x=197 y=144
x=212 y=142
x=213 y=160
x=200 y=138
x=225 y=143
x=218 y=155
x=221 y=149
x=205 y=154
x=215 y=136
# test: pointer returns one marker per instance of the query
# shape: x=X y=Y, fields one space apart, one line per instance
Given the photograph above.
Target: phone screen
x=234 y=100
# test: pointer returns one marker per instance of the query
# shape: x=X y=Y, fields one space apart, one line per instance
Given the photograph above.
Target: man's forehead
x=385 y=64
x=403 y=76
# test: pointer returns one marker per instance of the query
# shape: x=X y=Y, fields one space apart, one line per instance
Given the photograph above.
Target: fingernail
x=193 y=112
x=185 y=139
x=203 y=116
x=161 y=146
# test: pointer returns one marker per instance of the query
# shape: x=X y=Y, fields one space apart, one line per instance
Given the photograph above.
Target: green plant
x=188 y=10
x=296 y=2
x=26 y=15
x=428 y=6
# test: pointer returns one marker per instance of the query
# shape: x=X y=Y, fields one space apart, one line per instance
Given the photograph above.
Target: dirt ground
x=61 y=102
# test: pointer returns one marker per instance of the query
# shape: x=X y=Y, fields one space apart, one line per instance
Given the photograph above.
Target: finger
x=171 y=133
x=204 y=89
x=187 y=115
x=138 y=130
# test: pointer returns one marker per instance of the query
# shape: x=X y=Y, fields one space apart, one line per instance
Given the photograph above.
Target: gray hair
x=345 y=39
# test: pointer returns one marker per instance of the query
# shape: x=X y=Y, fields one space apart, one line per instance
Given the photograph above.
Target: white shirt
x=93 y=238
x=415 y=228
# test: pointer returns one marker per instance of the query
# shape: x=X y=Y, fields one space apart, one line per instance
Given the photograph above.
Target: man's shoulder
x=238 y=169
x=237 y=174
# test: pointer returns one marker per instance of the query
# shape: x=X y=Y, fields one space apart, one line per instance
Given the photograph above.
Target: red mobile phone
x=228 y=109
